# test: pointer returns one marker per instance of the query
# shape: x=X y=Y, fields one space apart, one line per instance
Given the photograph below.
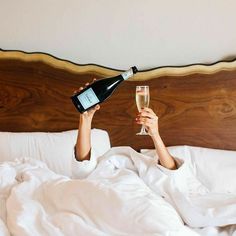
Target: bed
x=196 y=106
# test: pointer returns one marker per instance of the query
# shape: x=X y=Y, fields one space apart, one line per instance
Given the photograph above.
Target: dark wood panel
x=196 y=109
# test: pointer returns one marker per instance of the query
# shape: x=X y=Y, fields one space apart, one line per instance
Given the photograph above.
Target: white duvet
x=120 y=193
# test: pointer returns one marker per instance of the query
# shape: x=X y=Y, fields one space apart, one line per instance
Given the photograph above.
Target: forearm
x=165 y=158
x=83 y=143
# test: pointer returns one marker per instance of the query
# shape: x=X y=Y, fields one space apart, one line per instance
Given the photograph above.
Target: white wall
x=121 y=33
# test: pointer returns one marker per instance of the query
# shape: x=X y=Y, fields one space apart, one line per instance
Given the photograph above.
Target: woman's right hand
x=149 y=119
x=88 y=115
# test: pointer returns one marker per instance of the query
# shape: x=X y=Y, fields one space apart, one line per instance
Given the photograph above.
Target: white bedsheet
x=120 y=195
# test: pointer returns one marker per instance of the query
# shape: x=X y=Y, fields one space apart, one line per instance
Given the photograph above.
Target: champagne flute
x=142 y=101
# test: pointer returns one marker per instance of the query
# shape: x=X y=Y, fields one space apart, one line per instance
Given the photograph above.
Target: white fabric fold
x=119 y=193
x=110 y=199
x=81 y=169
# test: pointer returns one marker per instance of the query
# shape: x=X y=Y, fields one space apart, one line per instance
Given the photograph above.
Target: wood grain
x=194 y=108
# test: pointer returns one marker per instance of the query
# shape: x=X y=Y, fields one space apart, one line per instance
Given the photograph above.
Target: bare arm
x=165 y=158
x=83 y=143
x=148 y=118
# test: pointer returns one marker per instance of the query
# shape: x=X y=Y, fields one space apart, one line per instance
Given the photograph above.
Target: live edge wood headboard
x=196 y=104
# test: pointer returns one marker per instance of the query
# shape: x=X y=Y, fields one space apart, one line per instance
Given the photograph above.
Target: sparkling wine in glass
x=142 y=101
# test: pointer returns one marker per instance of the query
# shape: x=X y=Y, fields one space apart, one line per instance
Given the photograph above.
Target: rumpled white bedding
x=198 y=206
x=121 y=193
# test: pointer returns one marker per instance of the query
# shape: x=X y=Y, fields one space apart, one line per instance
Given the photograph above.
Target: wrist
x=84 y=118
x=85 y=123
x=156 y=137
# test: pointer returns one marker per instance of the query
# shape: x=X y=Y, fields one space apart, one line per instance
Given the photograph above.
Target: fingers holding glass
x=149 y=122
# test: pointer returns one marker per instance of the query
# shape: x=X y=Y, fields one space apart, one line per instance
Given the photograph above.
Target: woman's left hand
x=149 y=119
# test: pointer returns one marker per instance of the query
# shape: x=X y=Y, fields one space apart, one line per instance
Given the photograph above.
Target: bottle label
x=127 y=74
x=88 y=98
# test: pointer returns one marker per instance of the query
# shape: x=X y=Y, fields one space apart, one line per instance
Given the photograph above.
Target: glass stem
x=143 y=129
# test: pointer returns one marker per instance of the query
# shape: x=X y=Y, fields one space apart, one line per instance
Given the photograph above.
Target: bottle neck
x=127 y=74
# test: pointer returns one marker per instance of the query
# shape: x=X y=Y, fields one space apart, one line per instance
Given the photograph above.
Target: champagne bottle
x=99 y=91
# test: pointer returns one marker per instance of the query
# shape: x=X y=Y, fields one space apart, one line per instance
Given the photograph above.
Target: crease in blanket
x=197 y=205
x=111 y=200
x=121 y=194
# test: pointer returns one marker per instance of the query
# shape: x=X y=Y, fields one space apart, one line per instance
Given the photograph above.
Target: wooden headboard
x=196 y=104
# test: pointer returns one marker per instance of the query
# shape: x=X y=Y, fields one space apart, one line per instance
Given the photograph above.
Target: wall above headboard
x=120 y=34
